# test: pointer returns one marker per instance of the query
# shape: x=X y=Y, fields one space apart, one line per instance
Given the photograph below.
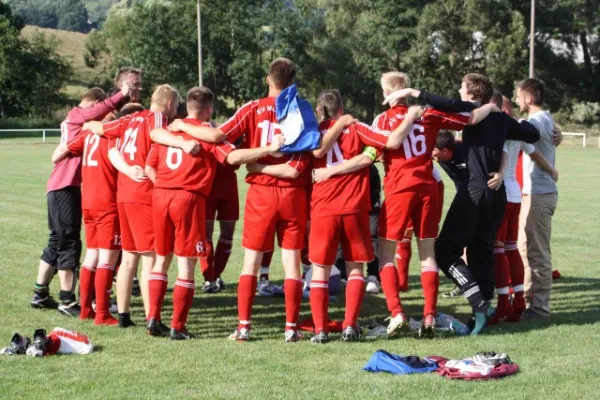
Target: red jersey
x=258 y=121
x=98 y=174
x=347 y=193
x=133 y=133
x=177 y=170
x=411 y=164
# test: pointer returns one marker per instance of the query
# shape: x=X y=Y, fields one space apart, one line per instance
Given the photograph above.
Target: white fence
x=43 y=130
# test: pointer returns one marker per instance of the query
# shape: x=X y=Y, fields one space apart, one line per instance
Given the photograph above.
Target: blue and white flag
x=297 y=122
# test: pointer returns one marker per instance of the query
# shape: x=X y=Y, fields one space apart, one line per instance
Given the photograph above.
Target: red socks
x=222 y=254
x=292 y=289
x=517 y=275
x=246 y=291
x=355 y=293
x=183 y=297
x=430 y=280
x=158 y=288
x=103 y=283
x=319 y=305
x=86 y=291
x=502 y=278
x=207 y=266
x=391 y=287
x=403 y=253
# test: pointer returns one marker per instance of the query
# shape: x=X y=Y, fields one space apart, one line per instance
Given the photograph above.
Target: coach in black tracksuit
x=476 y=211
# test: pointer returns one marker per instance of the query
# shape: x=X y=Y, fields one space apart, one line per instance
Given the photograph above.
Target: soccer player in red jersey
x=64 y=207
x=101 y=222
x=340 y=213
x=134 y=190
x=411 y=194
x=276 y=201
x=182 y=185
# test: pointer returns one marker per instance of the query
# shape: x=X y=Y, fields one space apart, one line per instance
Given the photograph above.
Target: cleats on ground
x=180 y=335
x=153 y=328
x=396 y=323
x=220 y=284
x=240 y=335
x=43 y=302
x=427 y=328
x=69 y=308
x=266 y=288
x=210 y=287
x=321 y=338
x=351 y=334
x=292 y=335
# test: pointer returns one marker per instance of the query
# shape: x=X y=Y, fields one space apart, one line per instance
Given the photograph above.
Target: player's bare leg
x=87 y=277
x=183 y=297
x=104 y=277
x=246 y=290
x=45 y=273
x=148 y=260
x=430 y=280
x=319 y=302
x=292 y=288
x=125 y=276
x=156 y=290
x=389 y=282
x=355 y=293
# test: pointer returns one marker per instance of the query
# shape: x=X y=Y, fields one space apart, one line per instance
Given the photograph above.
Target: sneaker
x=43 y=302
x=454 y=293
x=135 y=288
x=397 y=322
x=180 y=335
x=427 y=328
x=530 y=314
x=18 y=345
x=373 y=285
x=240 y=335
x=70 y=308
x=292 y=336
x=266 y=288
x=220 y=284
x=351 y=334
x=479 y=320
x=209 y=287
x=321 y=338
x=153 y=328
x=113 y=309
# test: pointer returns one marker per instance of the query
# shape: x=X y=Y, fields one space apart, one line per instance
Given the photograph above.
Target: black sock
x=66 y=296
x=125 y=320
x=41 y=290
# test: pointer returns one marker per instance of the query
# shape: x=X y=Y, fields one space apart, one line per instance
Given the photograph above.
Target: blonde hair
x=394 y=80
x=165 y=93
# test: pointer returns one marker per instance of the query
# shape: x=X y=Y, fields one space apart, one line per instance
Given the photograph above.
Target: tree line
x=346 y=44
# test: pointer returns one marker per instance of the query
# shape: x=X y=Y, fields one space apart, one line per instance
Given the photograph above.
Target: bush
x=586 y=113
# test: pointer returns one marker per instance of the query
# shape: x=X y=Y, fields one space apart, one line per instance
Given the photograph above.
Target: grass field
x=558 y=358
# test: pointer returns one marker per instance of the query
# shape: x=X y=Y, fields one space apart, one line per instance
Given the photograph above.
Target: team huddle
x=154 y=181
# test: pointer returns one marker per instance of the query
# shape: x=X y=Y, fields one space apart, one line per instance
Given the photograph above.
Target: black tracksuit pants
x=472 y=222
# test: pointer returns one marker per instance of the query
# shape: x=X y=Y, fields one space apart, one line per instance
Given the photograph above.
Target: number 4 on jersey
x=129 y=143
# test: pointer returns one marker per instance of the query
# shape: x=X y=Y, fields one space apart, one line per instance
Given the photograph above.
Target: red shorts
x=137 y=231
x=223 y=202
x=419 y=207
x=271 y=209
x=440 y=184
x=102 y=229
x=509 y=228
x=179 y=222
x=352 y=231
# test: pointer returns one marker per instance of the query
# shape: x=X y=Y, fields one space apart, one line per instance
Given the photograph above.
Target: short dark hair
x=534 y=88
x=479 y=86
x=282 y=72
x=445 y=140
x=497 y=98
x=329 y=103
x=125 y=71
x=130 y=108
x=199 y=98
x=94 y=94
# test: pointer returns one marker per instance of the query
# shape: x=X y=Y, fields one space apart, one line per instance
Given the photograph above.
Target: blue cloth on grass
x=382 y=361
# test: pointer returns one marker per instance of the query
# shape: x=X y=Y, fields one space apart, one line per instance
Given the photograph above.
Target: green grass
x=558 y=359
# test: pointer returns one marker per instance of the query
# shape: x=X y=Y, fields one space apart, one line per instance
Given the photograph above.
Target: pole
x=532 y=41
x=199 y=25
